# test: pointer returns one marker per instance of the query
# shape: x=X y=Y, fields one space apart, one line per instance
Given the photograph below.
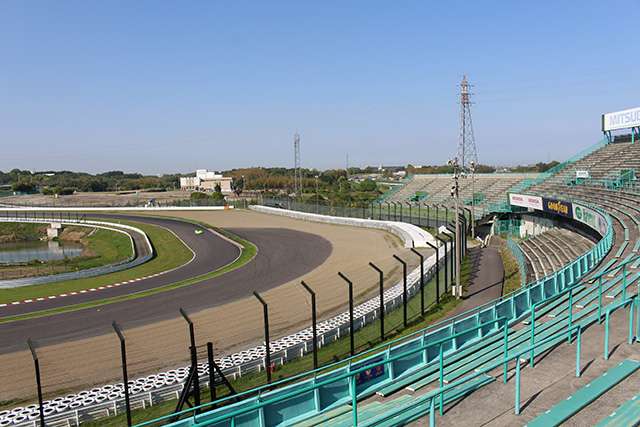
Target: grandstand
x=533 y=357
x=470 y=370
x=489 y=189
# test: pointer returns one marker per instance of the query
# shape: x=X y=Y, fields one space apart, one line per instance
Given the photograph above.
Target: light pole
x=473 y=199
x=454 y=193
x=317 y=197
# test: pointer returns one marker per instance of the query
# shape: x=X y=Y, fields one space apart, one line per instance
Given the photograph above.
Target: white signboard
x=582 y=174
x=590 y=217
x=532 y=202
x=621 y=119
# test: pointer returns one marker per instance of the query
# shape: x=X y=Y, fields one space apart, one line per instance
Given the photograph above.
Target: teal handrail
x=609 y=310
x=347 y=375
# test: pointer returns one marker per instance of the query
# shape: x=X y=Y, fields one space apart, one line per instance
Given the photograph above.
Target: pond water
x=44 y=251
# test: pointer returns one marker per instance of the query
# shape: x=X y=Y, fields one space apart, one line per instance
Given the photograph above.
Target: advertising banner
x=557 y=207
x=591 y=218
x=531 y=202
x=582 y=174
x=621 y=119
x=369 y=374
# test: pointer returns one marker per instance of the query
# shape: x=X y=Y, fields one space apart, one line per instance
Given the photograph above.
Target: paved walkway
x=487 y=276
x=552 y=379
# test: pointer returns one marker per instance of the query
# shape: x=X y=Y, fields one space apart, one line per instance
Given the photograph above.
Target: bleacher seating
x=549 y=251
x=437 y=188
x=466 y=349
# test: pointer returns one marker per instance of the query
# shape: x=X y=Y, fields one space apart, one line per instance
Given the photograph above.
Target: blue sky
x=168 y=87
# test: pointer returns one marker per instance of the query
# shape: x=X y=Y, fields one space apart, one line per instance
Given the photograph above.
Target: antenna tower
x=297 y=171
x=466 y=143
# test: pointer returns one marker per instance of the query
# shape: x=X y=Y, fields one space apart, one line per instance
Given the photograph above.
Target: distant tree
x=217 y=188
x=485 y=169
x=368 y=185
x=23 y=187
x=198 y=196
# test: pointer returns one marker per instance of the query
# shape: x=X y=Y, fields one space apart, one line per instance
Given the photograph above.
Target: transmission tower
x=466 y=153
x=297 y=171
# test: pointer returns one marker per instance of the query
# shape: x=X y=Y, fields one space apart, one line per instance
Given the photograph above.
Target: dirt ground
x=78 y=364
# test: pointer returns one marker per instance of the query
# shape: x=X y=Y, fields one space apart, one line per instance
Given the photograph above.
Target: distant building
x=391 y=168
x=206 y=181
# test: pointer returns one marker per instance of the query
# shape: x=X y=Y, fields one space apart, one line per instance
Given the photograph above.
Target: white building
x=206 y=181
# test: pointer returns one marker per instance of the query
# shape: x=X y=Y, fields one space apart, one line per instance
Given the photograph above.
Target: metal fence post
x=421 y=279
x=125 y=378
x=194 y=358
x=36 y=364
x=404 y=288
x=381 y=300
x=313 y=324
x=351 y=331
x=266 y=336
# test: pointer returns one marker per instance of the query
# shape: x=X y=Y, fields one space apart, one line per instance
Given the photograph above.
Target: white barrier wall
x=411 y=235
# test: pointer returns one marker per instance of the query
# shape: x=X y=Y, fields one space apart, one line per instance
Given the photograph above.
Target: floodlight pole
x=313 y=325
x=455 y=193
x=351 y=332
x=473 y=199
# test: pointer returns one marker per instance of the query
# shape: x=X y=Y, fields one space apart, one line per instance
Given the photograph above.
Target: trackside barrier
x=513 y=306
x=411 y=235
x=302 y=403
x=97 y=271
x=282 y=350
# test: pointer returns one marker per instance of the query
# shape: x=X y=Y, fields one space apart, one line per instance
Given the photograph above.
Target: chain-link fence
x=82 y=376
x=419 y=214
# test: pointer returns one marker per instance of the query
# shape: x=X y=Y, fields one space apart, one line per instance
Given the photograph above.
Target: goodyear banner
x=557 y=207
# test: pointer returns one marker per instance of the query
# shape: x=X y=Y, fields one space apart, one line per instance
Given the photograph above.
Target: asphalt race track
x=283 y=255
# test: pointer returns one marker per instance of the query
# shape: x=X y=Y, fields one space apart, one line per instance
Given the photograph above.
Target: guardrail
x=93 y=272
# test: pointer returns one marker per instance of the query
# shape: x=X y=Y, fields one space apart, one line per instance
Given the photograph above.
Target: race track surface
x=283 y=255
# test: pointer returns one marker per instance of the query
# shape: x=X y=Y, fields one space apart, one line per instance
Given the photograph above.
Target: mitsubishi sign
x=621 y=119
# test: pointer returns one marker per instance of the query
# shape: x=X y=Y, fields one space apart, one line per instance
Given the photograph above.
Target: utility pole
x=454 y=193
x=297 y=172
x=466 y=143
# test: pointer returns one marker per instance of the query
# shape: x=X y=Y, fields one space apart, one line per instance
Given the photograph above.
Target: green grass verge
x=103 y=247
x=170 y=253
x=512 y=276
